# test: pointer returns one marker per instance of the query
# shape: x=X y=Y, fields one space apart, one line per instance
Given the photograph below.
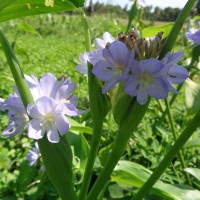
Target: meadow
x=53 y=42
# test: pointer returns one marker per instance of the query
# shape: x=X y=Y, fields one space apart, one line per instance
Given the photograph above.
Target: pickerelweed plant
x=124 y=73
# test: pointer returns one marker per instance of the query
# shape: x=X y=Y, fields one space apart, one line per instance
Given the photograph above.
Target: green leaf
x=20 y=8
x=27 y=28
x=194 y=172
x=153 y=30
x=192 y=96
x=57 y=158
x=116 y=191
x=26 y=175
x=193 y=143
x=132 y=14
x=78 y=3
x=76 y=127
x=81 y=148
x=135 y=175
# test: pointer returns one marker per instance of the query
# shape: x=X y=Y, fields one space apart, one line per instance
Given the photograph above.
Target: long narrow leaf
x=133 y=174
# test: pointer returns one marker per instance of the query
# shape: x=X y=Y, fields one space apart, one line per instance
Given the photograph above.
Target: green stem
x=132 y=14
x=91 y=159
x=175 y=135
x=16 y=71
x=86 y=30
x=183 y=138
x=97 y=105
x=164 y=112
x=169 y=43
x=132 y=118
x=117 y=151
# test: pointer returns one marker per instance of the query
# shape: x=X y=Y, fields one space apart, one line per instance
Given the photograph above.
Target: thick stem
x=117 y=151
x=91 y=159
x=132 y=118
x=98 y=110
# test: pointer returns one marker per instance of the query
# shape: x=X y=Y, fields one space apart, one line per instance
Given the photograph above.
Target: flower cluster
x=133 y=60
x=33 y=154
x=194 y=35
x=53 y=101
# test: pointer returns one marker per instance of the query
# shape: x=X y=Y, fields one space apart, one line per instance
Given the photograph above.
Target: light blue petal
x=62 y=92
x=131 y=86
x=52 y=135
x=48 y=85
x=104 y=70
x=151 y=65
x=35 y=129
x=62 y=124
x=82 y=68
x=142 y=96
x=33 y=111
x=14 y=128
x=177 y=74
x=107 y=37
x=70 y=109
x=46 y=105
x=119 y=53
x=158 y=88
x=109 y=84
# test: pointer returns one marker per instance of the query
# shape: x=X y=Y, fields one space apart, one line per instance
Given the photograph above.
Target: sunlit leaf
x=27 y=28
x=19 y=8
x=193 y=143
x=135 y=175
x=80 y=148
x=192 y=96
x=153 y=30
x=76 y=127
x=194 y=172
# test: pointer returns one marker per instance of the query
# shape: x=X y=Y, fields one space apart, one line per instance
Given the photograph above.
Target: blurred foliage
x=148 y=12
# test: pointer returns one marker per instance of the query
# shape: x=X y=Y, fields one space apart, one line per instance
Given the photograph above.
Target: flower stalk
x=175 y=136
x=99 y=106
x=133 y=117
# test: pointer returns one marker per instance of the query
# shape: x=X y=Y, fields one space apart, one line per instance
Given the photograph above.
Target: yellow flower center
x=145 y=79
x=47 y=119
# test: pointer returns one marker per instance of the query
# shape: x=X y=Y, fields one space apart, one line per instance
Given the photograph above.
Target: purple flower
x=194 y=35
x=47 y=117
x=175 y=74
x=33 y=154
x=94 y=56
x=62 y=92
x=148 y=77
x=115 y=66
x=47 y=86
x=107 y=38
x=18 y=119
